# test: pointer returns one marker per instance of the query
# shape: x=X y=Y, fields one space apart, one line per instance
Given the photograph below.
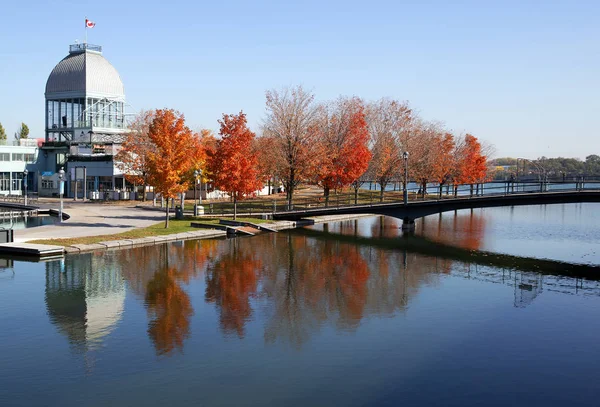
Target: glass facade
x=82 y=113
x=17 y=181
x=4 y=181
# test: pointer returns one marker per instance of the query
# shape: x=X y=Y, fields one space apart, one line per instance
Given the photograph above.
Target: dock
x=31 y=250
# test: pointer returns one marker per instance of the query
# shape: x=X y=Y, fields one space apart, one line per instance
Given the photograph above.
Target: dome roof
x=85 y=72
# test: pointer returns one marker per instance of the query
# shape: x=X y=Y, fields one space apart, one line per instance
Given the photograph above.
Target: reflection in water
x=85 y=298
x=230 y=282
x=159 y=283
x=297 y=281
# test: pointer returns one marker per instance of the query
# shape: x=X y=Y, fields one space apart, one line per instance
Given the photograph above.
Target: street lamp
x=61 y=188
x=405 y=191
x=25 y=184
x=195 y=192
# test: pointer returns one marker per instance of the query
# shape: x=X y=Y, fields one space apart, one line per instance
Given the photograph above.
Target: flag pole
x=85 y=29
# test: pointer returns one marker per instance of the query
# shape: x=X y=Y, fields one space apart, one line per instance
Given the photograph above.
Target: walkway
x=89 y=219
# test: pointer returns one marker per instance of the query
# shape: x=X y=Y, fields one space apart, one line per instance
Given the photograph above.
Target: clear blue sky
x=522 y=75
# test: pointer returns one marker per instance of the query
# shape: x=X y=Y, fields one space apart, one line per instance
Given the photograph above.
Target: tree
x=205 y=140
x=171 y=158
x=592 y=164
x=470 y=164
x=389 y=122
x=290 y=123
x=267 y=160
x=2 y=132
x=233 y=166
x=431 y=156
x=133 y=155
x=343 y=144
x=22 y=133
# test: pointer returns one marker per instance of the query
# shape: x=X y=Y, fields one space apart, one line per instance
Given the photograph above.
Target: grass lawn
x=158 y=229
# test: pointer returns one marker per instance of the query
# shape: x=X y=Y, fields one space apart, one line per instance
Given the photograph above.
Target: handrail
x=372 y=198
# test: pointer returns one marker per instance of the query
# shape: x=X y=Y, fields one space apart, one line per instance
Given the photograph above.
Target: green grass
x=158 y=229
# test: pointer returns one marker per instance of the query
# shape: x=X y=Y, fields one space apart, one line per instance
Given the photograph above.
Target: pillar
x=408 y=224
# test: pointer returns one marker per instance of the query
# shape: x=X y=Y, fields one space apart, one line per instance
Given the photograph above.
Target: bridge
x=500 y=194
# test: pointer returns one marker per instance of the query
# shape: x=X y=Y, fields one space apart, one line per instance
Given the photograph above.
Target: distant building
x=85 y=124
x=15 y=157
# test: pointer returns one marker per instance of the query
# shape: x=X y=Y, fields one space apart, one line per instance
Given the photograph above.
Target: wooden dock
x=31 y=250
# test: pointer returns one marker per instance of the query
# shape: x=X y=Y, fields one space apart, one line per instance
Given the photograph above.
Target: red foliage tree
x=233 y=166
x=343 y=145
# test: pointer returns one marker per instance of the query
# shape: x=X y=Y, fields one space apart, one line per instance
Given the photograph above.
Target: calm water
x=325 y=316
x=27 y=222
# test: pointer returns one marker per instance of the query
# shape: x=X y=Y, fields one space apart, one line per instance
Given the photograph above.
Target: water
x=28 y=222
x=339 y=314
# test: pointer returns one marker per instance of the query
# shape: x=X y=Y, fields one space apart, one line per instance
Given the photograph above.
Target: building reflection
x=85 y=298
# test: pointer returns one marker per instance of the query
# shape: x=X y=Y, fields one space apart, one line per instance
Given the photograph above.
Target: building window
x=4 y=181
x=47 y=184
x=29 y=158
x=17 y=157
x=4 y=156
x=17 y=179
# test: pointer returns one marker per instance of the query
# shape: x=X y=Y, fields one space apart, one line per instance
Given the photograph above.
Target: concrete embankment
x=87 y=220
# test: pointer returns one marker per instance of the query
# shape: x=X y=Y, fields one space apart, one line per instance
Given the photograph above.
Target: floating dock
x=31 y=250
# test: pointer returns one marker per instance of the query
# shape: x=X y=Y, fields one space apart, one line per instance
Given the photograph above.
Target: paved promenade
x=89 y=219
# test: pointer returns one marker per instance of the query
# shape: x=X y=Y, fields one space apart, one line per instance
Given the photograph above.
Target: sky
x=523 y=76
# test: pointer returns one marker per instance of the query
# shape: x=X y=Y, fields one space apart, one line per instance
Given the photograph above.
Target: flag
x=89 y=24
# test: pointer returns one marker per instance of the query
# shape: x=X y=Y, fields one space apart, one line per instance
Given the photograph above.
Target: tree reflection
x=156 y=273
x=230 y=282
x=467 y=229
x=170 y=309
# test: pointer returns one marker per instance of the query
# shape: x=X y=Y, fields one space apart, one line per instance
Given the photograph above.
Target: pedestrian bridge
x=510 y=196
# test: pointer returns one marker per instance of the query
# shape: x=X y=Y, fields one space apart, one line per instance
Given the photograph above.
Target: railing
x=415 y=194
x=82 y=47
x=32 y=198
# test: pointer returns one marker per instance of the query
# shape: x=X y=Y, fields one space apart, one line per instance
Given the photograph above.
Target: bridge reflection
x=294 y=283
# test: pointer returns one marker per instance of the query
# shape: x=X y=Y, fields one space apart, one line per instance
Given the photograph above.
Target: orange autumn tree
x=132 y=157
x=343 y=145
x=233 y=166
x=171 y=158
x=471 y=164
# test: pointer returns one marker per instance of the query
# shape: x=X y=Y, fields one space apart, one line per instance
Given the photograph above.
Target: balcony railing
x=74 y=48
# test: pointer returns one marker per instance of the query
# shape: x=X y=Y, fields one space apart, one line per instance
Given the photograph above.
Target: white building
x=15 y=158
x=85 y=123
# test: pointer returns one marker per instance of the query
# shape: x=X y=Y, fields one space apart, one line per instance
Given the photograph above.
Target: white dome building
x=85 y=124
x=84 y=93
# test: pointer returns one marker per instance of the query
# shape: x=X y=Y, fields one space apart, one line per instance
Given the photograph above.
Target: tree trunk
x=167 y=217
x=424 y=188
x=455 y=190
x=441 y=190
x=144 y=193
x=355 y=196
x=326 y=194
x=382 y=185
x=234 y=206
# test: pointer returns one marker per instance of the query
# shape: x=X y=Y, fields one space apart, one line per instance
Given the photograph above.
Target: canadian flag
x=89 y=23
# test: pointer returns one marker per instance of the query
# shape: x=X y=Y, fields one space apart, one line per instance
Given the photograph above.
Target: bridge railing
x=367 y=197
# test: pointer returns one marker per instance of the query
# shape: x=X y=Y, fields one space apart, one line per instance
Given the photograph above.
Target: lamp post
x=200 y=187
x=61 y=188
x=196 y=173
x=25 y=184
x=405 y=190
